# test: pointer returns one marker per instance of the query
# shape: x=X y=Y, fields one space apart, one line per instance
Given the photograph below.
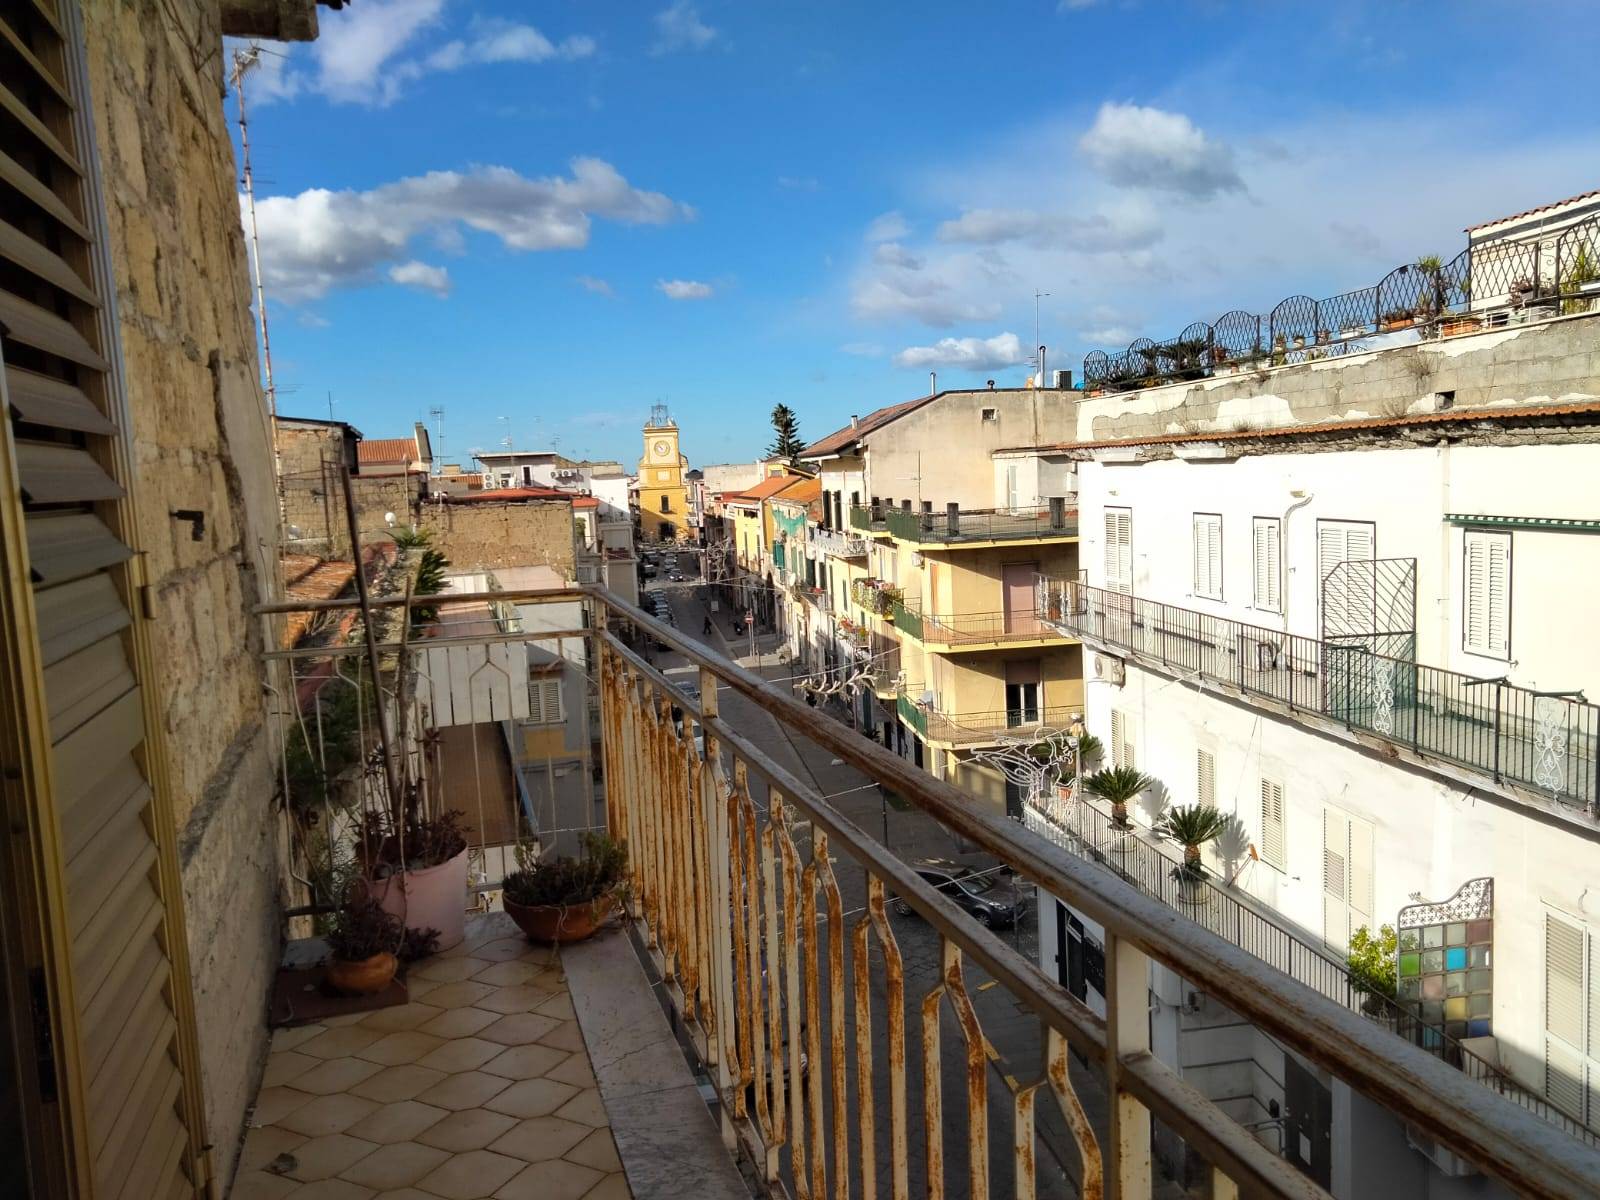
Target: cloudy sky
x=546 y=217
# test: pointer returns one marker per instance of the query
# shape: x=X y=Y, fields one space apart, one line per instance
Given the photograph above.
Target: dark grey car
x=990 y=896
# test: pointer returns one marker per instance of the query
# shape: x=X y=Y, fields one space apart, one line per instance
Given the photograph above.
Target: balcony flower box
x=1456 y=326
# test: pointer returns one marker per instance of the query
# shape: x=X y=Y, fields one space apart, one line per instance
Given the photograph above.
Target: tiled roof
x=504 y=494
x=1447 y=417
x=1533 y=212
x=841 y=438
x=323 y=581
x=800 y=491
x=386 y=450
x=585 y=502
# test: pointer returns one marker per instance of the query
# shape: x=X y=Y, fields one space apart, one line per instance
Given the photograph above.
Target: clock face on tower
x=660 y=449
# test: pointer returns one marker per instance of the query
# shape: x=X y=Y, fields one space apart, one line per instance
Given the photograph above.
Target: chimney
x=990 y=382
x=933 y=383
x=1043 y=374
x=855 y=421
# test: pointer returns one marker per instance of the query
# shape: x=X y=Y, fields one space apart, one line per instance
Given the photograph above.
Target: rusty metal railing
x=811 y=1026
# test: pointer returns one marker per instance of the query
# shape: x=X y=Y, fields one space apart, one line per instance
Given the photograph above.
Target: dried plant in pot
x=566 y=899
x=418 y=871
x=364 y=942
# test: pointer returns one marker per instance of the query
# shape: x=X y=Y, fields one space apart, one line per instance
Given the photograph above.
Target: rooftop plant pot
x=561 y=922
x=428 y=898
x=1455 y=326
x=367 y=977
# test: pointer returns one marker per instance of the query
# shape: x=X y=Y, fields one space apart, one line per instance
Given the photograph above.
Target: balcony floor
x=482 y=1087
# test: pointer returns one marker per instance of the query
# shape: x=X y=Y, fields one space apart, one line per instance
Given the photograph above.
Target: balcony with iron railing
x=957 y=526
x=838 y=543
x=876 y=596
x=829 y=1053
x=1540 y=743
x=997 y=725
x=867 y=520
x=957 y=632
x=907 y=616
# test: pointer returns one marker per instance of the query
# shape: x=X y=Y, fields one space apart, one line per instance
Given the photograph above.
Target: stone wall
x=202 y=442
x=478 y=535
x=313 y=502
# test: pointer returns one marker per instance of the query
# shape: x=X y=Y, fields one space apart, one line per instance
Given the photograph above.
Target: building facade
x=663 y=495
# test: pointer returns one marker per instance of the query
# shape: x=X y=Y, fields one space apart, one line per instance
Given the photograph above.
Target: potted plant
x=1582 y=279
x=1371 y=962
x=1089 y=749
x=418 y=872
x=1431 y=290
x=1397 y=318
x=363 y=942
x=1192 y=827
x=1118 y=785
x=565 y=899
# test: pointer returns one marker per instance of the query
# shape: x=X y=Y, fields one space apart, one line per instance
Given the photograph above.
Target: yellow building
x=663 y=495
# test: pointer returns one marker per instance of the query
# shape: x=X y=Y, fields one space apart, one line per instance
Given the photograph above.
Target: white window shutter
x=1486 y=592
x=1563 y=1014
x=1361 y=872
x=1335 y=878
x=1265 y=564
x=1119 y=551
x=1273 y=847
x=1205 y=786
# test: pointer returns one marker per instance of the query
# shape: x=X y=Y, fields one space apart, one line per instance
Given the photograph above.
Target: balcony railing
x=765 y=912
x=974 y=728
x=1088 y=831
x=954 y=525
x=867 y=520
x=838 y=543
x=907 y=617
x=876 y=596
x=958 y=630
x=1544 y=743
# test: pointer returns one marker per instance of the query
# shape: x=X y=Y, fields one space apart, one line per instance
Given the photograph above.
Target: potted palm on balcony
x=1191 y=827
x=1118 y=786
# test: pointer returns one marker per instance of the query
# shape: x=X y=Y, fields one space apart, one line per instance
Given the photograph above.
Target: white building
x=1346 y=602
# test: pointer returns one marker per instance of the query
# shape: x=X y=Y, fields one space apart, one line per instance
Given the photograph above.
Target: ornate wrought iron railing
x=1487 y=284
x=833 y=1060
x=1544 y=743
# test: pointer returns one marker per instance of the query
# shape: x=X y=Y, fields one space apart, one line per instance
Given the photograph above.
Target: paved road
x=1013 y=1034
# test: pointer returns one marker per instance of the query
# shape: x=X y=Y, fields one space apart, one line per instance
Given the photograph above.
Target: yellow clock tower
x=663 y=497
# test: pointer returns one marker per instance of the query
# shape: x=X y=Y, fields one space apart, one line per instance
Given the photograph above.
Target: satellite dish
x=388 y=519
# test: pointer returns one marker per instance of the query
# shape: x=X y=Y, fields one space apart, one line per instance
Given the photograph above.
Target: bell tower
x=663 y=496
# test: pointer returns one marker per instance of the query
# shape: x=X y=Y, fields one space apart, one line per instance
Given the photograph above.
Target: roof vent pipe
x=1042 y=374
x=855 y=421
x=933 y=383
x=990 y=382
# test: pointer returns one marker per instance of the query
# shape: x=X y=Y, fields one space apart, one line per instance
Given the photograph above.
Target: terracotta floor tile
x=404 y=1082
x=263 y=1145
x=328 y=1114
x=283 y=1066
x=550 y=1181
x=462 y=1054
x=325 y=1157
x=405 y=1046
x=471 y=1129
x=260 y=1185
x=598 y=1150
x=533 y=1098
x=612 y=1187
x=458 y=1022
x=576 y=1071
x=395 y=1166
x=459 y=995
x=399 y=1122
x=586 y=1109
x=540 y=1138
x=343 y=1042
x=525 y=1062
x=401 y=1017
x=515 y=999
x=469 y=1089
x=516 y=1029
x=471 y=1175
x=418 y=989
x=336 y=1075
x=275 y=1103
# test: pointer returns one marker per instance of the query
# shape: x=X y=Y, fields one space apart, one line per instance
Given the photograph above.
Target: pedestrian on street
x=707 y=629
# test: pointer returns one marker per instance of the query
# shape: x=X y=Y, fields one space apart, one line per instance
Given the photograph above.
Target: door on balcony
x=1346 y=605
x=1022 y=693
x=1307 y=1122
x=1017 y=584
x=1347 y=883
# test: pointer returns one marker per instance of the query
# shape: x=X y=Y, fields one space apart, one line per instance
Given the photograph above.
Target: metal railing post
x=1497 y=686
x=1127 y=1033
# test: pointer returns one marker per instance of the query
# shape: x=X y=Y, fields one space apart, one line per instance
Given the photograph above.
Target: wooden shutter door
x=1335 y=878
x=130 y=1053
x=1563 y=1014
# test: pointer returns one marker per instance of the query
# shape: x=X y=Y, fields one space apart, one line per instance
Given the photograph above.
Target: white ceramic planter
x=432 y=898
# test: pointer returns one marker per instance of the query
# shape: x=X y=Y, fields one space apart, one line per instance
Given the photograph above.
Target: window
x=1121 y=739
x=1119 y=550
x=1347 y=900
x=1486 y=593
x=1208 y=555
x=544 y=702
x=1266 y=564
x=1572 y=1018
x=991 y=414
x=1274 y=846
x=1348 y=596
x=1205 y=782
x=1011 y=486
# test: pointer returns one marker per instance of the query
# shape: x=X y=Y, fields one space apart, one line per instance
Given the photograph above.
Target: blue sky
x=561 y=213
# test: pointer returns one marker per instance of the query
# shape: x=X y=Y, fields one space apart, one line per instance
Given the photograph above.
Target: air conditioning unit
x=1111 y=670
x=916 y=559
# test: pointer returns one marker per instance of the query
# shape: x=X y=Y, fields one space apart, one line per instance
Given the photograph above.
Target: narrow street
x=1012 y=1034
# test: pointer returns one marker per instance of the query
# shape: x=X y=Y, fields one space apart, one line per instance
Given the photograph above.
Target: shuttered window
x=131 y=1016
x=1348 y=594
x=1208 y=555
x=1205 y=783
x=544 y=702
x=1486 y=592
x=1266 y=564
x=1572 y=1018
x=1347 y=876
x=1119 y=550
x=1121 y=739
x=1274 y=845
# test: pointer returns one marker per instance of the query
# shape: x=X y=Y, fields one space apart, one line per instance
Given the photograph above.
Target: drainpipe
x=1303 y=498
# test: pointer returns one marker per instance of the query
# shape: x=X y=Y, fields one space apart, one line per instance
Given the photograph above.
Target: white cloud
x=1132 y=146
x=598 y=286
x=888 y=227
x=320 y=239
x=1091 y=234
x=680 y=28
x=1109 y=335
x=312 y=320
x=893 y=254
x=684 y=289
x=422 y=276
x=968 y=353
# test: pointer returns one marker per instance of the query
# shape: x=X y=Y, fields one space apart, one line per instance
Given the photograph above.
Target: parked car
x=989 y=896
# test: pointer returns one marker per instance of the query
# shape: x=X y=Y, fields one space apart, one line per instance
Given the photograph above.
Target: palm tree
x=1118 y=785
x=1193 y=827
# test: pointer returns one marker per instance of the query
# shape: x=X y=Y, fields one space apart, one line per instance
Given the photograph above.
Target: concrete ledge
x=669 y=1143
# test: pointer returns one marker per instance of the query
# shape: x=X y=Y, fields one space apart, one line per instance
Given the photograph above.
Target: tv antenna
x=437 y=413
x=245 y=61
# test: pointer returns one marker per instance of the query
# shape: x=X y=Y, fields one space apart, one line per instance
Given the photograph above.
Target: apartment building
x=927 y=562
x=1332 y=594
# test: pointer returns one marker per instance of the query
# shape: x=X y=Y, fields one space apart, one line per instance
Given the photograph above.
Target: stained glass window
x=1444 y=965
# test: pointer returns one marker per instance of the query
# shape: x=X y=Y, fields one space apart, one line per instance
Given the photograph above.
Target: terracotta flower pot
x=431 y=898
x=561 y=922
x=364 y=978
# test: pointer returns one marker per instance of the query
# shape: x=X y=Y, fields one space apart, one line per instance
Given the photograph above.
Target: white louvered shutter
x=1335 y=878
x=1274 y=847
x=1348 y=596
x=1119 y=550
x=1205 y=784
x=129 y=1010
x=1564 y=1017
x=1265 y=565
x=1208 y=555
x=1361 y=890
x=1486 y=592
